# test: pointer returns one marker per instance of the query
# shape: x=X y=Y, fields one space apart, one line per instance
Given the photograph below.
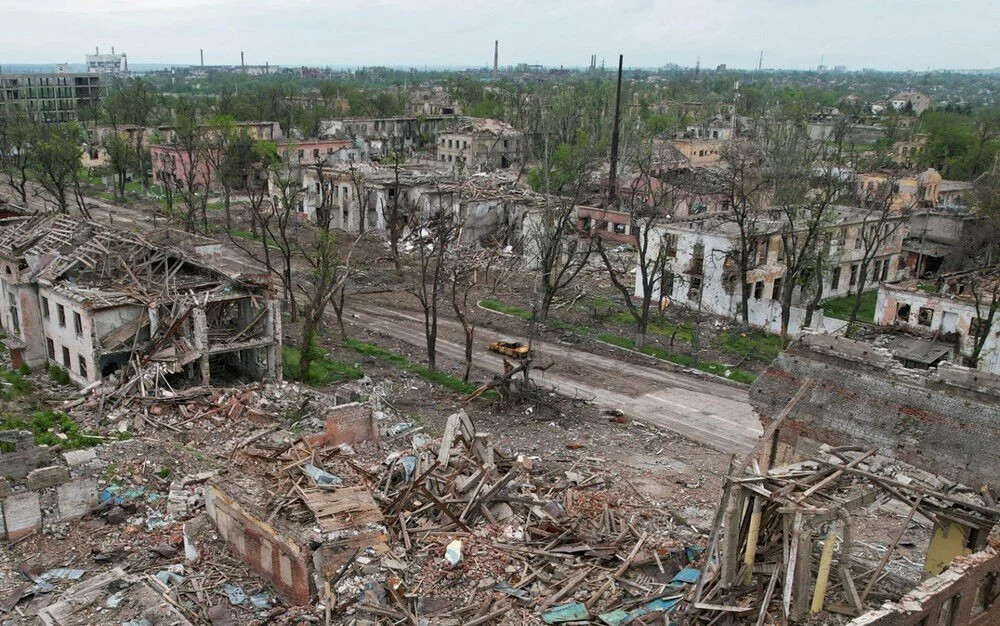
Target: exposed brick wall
x=944 y=422
x=275 y=558
x=24 y=457
x=965 y=594
x=347 y=423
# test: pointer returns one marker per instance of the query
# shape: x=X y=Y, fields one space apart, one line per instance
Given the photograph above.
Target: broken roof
x=106 y=266
x=482 y=126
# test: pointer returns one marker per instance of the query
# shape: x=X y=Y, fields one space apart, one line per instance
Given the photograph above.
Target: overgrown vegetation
x=47 y=426
x=400 y=362
x=58 y=375
x=14 y=383
x=756 y=344
x=322 y=370
x=840 y=308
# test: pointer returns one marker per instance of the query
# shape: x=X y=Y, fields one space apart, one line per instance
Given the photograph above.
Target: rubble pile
x=470 y=535
x=785 y=543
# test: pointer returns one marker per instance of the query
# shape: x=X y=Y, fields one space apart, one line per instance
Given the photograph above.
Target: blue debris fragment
x=571 y=612
x=687 y=575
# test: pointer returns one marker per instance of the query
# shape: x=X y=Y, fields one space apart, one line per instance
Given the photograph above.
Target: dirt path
x=708 y=412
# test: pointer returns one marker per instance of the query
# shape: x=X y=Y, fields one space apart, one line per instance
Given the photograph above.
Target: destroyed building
x=701 y=269
x=851 y=441
x=92 y=299
x=961 y=310
x=364 y=196
x=477 y=144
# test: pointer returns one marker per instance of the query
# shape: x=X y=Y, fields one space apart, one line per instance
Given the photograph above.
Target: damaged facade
x=851 y=437
x=701 y=268
x=362 y=197
x=92 y=299
x=476 y=144
x=961 y=309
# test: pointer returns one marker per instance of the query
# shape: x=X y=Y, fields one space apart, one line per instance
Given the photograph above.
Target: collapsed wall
x=943 y=421
x=963 y=595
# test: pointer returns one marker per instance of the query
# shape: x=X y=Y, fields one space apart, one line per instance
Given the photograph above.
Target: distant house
x=910 y=102
x=480 y=144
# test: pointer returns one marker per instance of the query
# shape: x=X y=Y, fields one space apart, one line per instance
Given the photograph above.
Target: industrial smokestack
x=242 y=64
x=202 y=51
x=496 y=55
x=112 y=49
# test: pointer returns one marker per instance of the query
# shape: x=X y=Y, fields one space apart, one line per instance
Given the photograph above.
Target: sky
x=794 y=34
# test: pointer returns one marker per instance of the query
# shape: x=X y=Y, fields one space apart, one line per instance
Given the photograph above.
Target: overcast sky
x=884 y=34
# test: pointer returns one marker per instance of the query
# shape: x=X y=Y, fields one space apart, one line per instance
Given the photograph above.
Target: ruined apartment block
x=92 y=299
x=954 y=309
x=702 y=271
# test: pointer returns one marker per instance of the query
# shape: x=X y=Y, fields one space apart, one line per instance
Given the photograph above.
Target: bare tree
x=649 y=204
x=881 y=221
x=550 y=240
x=189 y=146
x=281 y=227
x=806 y=188
x=217 y=150
x=431 y=241
x=469 y=271
x=986 y=295
x=360 y=187
x=744 y=186
x=394 y=219
x=331 y=269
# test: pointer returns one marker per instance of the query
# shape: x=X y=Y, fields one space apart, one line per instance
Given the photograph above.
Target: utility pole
x=613 y=175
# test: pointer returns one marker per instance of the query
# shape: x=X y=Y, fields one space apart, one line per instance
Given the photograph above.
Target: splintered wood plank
x=343 y=508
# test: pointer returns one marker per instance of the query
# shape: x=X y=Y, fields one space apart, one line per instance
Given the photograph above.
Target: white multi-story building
x=702 y=269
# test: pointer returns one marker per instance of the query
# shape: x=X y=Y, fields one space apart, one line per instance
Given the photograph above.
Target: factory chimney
x=496 y=55
x=202 y=51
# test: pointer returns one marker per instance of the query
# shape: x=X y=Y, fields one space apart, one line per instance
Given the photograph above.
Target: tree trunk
x=744 y=303
x=338 y=309
x=469 y=337
x=289 y=291
x=227 y=197
x=306 y=346
x=430 y=333
x=858 y=296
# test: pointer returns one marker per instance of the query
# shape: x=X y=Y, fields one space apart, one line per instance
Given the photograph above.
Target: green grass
x=927 y=287
x=322 y=371
x=401 y=362
x=58 y=375
x=755 y=344
x=683 y=360
x=509 y=309
x=45 y=424
x=18 y=386
x=840 y=308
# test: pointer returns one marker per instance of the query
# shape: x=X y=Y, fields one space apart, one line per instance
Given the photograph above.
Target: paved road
x=712 y=413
